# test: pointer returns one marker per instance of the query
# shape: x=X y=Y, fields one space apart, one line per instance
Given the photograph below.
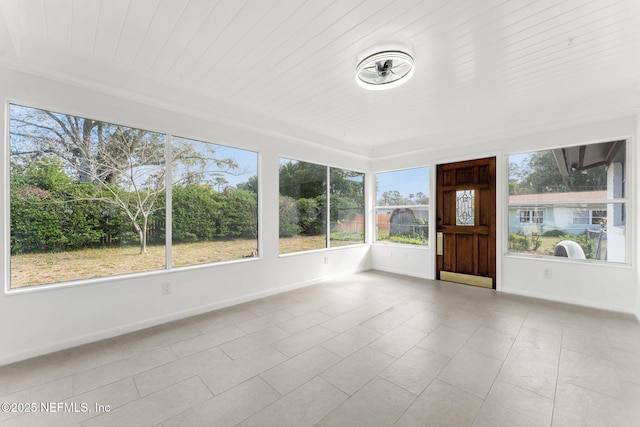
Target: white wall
x=403 y=259
x=636 y=204
x=35 y=322
x=608 y=286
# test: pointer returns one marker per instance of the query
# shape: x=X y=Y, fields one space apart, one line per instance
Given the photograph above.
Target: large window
x=214 y=203
x=347 y=207
x=88 y=199
x=402 y=206
x=304 y=209
x=569 y=200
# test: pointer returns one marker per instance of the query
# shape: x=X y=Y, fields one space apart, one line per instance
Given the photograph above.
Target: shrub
x=409 y=240
x=239 y=215
x=42 y=221
x=554 y=233
x=288 y=217
x=195 y=211
x=520 y=242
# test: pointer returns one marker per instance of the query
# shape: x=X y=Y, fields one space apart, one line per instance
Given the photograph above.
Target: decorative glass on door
x=464 y=207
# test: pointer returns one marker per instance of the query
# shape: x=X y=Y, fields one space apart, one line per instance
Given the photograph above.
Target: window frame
x=168 y=136
x=249 y=253
x=584 y=217
x=327 y=208
x=376 y=208
x=590 y=205
x=330 y=220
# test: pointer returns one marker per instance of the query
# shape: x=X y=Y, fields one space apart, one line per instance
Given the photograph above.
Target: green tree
x=310 y=216
x=125 y=165
x=540 y=174
x=302 y=180
x=392 y=198
x=288 y=217
x=515 y=176
x=421 y=199
x=307 y=184
x=47 y=174
x=251 y=185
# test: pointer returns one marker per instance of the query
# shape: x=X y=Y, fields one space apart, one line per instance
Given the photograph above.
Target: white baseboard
x=402 y=272
x=6 y=359
x=589 y=304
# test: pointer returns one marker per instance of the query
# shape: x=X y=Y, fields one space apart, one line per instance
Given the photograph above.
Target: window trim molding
x=376 y=207
x=328 y=207
x=629 y=188
x=168 y=268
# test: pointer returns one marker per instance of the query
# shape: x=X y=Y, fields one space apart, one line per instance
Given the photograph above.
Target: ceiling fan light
x=384 y=70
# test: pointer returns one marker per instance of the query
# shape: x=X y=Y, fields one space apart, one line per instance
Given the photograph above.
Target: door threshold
x=467 y=279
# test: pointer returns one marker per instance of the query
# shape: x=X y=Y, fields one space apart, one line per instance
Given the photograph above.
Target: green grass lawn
x=45 y=268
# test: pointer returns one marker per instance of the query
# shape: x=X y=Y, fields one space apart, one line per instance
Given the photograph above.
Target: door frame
x=501 y=209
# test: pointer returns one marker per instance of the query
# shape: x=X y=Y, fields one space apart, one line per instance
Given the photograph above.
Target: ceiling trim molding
x=416 y=146
x=218 y=116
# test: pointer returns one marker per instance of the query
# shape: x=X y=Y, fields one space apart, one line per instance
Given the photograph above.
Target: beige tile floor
x=371 y=349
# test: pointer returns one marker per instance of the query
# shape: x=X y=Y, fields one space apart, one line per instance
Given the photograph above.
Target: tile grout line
x=555 y=390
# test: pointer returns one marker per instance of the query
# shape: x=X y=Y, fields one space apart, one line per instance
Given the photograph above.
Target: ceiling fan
x=384 y=70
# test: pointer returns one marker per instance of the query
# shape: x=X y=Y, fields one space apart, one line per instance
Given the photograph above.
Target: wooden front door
x=466 y=222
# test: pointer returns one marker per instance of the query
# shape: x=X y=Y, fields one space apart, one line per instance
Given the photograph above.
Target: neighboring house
x=540 y=213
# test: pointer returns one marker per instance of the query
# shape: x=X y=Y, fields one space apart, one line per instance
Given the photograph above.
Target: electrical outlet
x=547 y=273
x=166 y=288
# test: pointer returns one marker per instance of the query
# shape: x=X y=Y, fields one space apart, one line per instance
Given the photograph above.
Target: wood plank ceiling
x=489 y=67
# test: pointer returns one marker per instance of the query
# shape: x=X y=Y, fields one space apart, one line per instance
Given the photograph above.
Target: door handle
x=439 y=243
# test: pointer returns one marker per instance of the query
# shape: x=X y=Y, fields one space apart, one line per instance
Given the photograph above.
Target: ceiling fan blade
x=368 y=74
x=395 y=76
x=381 y=79
x=401 y=69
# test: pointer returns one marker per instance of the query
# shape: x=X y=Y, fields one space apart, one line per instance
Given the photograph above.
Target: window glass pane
x=465 y=202
x=303 y=209
x=87 y=198
x=562 y=194
x=346 y=207
x=402 y=212
x=538 y=216
x=403 y=187
x=214 y=203
x=597 y=240
x=531 y=216
x=598 y=216
x=581 y=216
x=594 y=171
